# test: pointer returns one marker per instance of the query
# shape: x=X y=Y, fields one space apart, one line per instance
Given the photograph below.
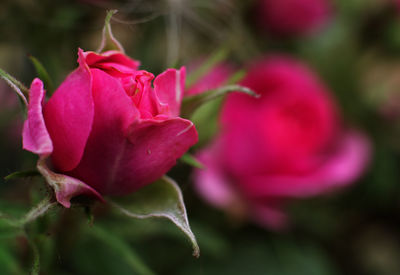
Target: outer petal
x=169 y=87
x=35 y=136
x=64 y=186
x=37 y=140
x=211 y=182
x=122 y=165
x=69 y=117
x=156 y=145
x=342 y=167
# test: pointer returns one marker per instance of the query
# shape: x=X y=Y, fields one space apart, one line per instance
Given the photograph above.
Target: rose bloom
x=288 y=144
x=293 y=17
x=107 y=127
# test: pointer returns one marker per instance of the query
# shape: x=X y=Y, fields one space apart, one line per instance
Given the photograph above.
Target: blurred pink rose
x=107 y=127
x=290 y=143
x=293 y=17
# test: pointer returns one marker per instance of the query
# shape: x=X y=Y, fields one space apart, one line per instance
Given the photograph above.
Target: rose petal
x=114 y=112
x=343 y=167
x=121 y=166
x=69 y=116
x=35 y=137
x=64 y=186
x=211 y=182
x=169 y=88
x=112 y=62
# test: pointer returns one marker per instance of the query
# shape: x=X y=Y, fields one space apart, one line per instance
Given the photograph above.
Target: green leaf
x=125 y=251
x=192 y=161
x=18 y=87
x=42 y=74
x=236 y=77
x=161 y=199
x=109 y=42
x=191 y=103
x=22 y=174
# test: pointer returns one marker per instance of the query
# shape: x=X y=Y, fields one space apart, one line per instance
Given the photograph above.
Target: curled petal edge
x=65 y=187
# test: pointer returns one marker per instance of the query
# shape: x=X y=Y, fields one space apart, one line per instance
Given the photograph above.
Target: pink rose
x=290 y=143
x=293 y=17
x=106 y=128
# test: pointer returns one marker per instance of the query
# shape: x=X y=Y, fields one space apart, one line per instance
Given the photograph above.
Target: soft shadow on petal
x=35 y=137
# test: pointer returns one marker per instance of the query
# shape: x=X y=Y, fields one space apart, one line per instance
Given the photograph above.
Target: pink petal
x=64 y=186
x=35 y=137
x=211 y=182
x=343 y=167
x=69 y=117
x=113 y=62
x=119 y=166
x=114 y=112
x=169 y=88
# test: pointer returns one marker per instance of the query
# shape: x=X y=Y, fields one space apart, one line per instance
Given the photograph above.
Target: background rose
x=108 y=127
x=293 y=17
x=290 y=143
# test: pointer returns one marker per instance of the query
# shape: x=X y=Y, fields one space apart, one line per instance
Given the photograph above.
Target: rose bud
x=288 y=144
x=106 y=130
x=293 y=17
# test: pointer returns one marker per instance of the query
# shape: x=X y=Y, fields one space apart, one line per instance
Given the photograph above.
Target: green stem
x=42 y=208
x=18 y=87
x=36 y=256
x=191 y=103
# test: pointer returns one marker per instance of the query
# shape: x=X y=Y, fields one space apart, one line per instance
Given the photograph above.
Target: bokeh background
x=356 y=53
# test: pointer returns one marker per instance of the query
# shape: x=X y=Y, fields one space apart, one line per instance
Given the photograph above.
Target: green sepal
x=191 y=103
x=161 y=199
x=22 y=174
x=191 y=160
x=42 y=74
x=17 y=86
x=109 y=42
